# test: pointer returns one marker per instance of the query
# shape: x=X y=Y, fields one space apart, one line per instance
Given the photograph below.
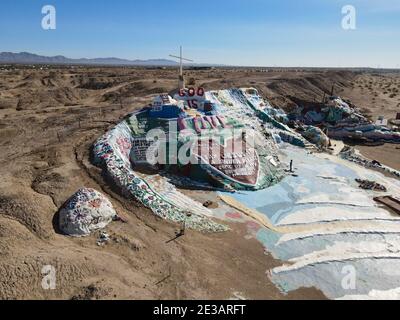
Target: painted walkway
x=321 y=225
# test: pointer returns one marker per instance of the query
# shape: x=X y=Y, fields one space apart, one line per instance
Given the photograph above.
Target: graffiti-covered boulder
x=86 y=211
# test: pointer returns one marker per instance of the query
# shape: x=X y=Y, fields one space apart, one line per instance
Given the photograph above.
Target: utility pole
x=333 y=87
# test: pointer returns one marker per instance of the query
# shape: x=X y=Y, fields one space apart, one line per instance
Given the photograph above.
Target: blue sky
x=239 y=32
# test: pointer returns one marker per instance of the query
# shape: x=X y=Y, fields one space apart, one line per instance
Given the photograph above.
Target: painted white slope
x=346 y=195
x=381 y=227
x=172 y=195
x=340 y=210
x=344 y=251
x=326 y=213
x=393 y=294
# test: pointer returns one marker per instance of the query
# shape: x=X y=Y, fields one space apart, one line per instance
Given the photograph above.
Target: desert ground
x=378 y=95
x=49 y=118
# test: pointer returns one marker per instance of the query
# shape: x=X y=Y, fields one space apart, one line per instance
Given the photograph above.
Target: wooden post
x=183 y=230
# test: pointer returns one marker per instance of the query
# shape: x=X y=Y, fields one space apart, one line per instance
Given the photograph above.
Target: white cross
x=181 y=59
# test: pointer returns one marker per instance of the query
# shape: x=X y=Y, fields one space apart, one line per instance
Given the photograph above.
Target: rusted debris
x=371 y=185
x=390 y=202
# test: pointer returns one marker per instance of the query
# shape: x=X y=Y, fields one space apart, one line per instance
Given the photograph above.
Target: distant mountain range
x=30 y=58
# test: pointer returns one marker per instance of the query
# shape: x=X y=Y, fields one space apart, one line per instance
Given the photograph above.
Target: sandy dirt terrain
x=48 y=121
x=379 y=95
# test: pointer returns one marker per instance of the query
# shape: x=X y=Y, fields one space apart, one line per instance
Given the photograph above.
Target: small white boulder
x=86 y=211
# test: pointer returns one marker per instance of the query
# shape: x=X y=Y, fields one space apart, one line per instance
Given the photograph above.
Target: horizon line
x=172 y=61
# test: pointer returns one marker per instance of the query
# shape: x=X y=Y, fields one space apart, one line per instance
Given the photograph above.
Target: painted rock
x=237 y=161
x=86 y=211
